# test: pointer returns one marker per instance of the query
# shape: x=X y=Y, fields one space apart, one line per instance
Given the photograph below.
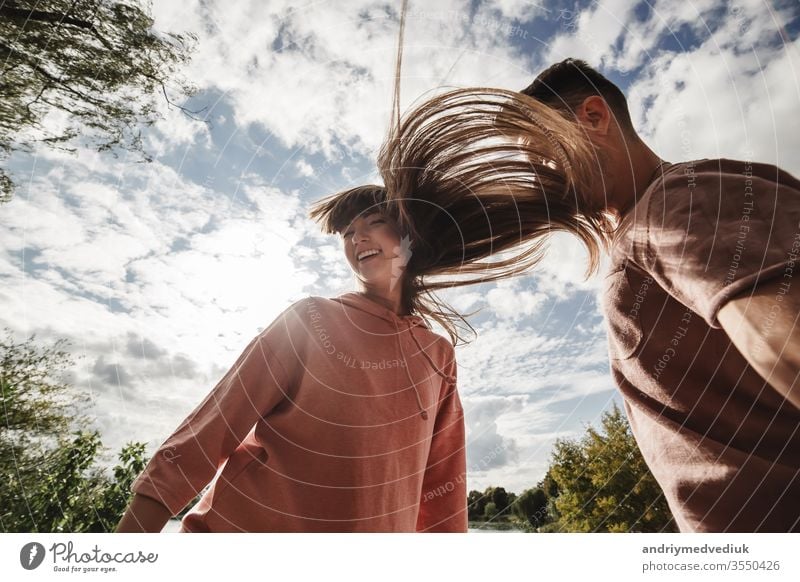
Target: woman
x=342 y=415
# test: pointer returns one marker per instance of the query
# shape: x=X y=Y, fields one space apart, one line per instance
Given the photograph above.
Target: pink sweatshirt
x=340 y=416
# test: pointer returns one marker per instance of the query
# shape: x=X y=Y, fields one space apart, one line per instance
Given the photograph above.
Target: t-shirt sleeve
x=717 y=232
x=188 y=460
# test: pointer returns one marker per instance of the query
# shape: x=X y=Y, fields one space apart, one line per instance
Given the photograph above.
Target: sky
x=160 y=273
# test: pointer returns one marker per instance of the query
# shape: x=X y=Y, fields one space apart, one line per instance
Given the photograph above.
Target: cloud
x=158 y=283
x=304 y=168
x=722 y=104
x=113 y=374
x=486 y=448
x=590 y=34
x=141 y=347
x=323 y=82
x=508 y=301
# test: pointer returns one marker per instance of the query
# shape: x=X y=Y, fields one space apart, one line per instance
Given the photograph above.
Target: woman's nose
x=359 y=235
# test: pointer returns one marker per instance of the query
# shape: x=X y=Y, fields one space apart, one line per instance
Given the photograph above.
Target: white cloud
x=562 y=271
x=487 y=449
x=590 y=34
x=194 y=272
x=304 y=168
x=324 y=82
x=516 y=9
x=508 y=301
x=712 y=103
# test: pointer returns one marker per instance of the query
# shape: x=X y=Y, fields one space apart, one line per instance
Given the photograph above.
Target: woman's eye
x=378 y=221
x=348 y=233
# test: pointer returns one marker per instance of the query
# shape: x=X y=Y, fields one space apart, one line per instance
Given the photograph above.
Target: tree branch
x=187 y=112
x=25 y=16
x=38 y=16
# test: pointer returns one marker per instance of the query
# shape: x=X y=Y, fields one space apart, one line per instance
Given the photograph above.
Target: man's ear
x=594 y=113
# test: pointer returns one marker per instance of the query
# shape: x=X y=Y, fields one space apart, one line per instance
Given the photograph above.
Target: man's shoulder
x=685 y=195
x=712 y=179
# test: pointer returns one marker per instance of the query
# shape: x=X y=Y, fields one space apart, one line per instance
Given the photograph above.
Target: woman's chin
x=373 y=280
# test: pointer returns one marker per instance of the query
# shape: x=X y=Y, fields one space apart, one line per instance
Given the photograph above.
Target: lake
x=173 y=525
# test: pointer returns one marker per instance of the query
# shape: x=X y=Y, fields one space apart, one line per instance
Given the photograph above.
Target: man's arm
x=764 y=327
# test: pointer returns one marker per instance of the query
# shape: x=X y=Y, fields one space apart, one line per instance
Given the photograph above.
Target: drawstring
x=422 y=412
x=450 y=379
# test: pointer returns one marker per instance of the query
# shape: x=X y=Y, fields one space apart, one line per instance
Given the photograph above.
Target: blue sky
x=160 y=273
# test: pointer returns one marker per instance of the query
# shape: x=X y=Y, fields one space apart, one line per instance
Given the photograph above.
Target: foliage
x=532 y=507
x=476 y=505
x=490 y=511
x=493 y=504
x=499 y=498
x=604 y=484
x=92 y=69
x=598 y=483
x=48 y=456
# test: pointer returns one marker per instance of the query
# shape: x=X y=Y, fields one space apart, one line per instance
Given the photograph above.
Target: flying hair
x=478 y=178
x=482 y=172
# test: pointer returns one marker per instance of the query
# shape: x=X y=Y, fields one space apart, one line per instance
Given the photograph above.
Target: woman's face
x=372 y=247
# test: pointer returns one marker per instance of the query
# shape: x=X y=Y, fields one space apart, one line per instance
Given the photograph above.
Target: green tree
x=52 y=481
x=604 y=484
x=500 y=499
x=98 y=64
x=549 y=485
x=476 y=503
x=490 y=511
x=532 y=507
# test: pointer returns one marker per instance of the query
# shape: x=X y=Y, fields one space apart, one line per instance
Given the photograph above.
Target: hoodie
x=341 y=416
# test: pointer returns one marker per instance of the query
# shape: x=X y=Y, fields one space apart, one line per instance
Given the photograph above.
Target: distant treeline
x=598 y=483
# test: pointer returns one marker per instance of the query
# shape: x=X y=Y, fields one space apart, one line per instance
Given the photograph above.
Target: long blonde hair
x=480 y=171
x=472 y=174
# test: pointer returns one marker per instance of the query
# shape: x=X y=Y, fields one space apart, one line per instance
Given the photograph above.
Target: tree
x=48 y=456
x=97 y=63
x=500 y=499
x=476 y=504
x=490 y=511
x=531 y=506
x=604 y=484
x=549 y=485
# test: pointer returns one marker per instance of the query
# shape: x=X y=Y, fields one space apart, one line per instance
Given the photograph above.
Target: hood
x=403 y=324
x=362 y=303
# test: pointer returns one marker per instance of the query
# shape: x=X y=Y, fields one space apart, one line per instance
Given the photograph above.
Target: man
x=702 y=309
x=701 y=299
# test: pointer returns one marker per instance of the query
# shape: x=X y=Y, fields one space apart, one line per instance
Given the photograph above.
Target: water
x=173 y=525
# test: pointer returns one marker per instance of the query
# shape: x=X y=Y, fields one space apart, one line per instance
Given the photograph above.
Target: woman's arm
x=144 y=515
x=188 y=460
x=443 y=500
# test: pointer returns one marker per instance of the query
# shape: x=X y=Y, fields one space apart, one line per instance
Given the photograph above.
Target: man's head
x=566 y=86
x=581 y=94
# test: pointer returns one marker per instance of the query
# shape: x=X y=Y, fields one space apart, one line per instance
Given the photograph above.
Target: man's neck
x=644 y=164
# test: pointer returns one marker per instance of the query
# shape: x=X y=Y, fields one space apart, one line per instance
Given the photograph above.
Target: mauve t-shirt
x=723 y=444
